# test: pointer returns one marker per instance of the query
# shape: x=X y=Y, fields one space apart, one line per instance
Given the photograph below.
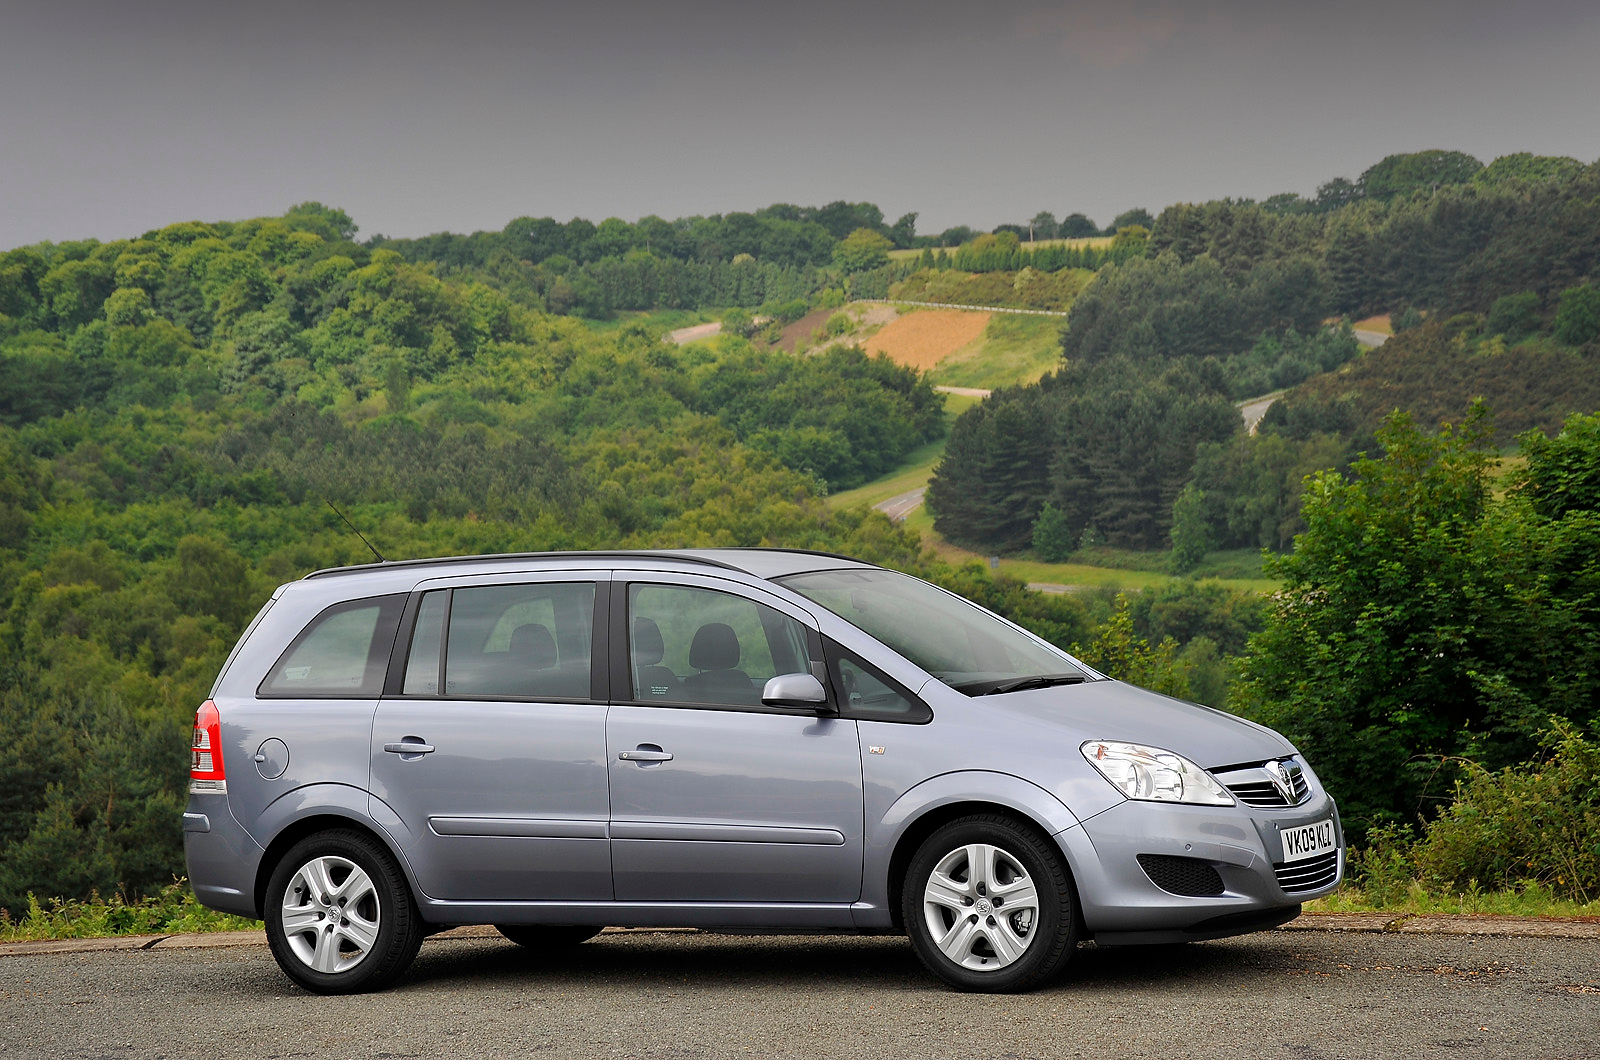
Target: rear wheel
x=340 y=918
x=546 y=937
x=989 y=905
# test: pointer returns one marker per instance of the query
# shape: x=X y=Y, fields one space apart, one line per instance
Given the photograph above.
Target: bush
x=1536 y=822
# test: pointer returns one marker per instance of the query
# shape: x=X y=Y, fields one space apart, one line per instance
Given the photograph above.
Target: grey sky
x=120 y=117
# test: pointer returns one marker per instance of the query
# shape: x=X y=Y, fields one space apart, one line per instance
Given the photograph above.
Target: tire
x=1006 y=927
x=543 y=937
x=340 y=917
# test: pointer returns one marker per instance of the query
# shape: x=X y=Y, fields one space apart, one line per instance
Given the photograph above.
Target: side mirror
x=795 y=690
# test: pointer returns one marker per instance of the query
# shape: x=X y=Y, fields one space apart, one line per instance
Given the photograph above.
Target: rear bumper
x=1123 y=905
x=222 y=857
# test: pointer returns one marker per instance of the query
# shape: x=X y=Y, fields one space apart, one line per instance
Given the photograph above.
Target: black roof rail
x=687 y=557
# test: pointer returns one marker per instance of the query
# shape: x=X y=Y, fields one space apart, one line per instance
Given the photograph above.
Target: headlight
x=1154 y=775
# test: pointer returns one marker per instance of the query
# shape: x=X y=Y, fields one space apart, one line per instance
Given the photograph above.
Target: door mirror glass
x=794 y=690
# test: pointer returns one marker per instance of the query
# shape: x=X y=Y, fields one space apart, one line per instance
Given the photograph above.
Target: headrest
x=714 y=648
x=534 y=645
x=648 y=648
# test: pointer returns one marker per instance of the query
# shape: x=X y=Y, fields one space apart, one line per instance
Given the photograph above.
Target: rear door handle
x=412 y=746
x=645 y=754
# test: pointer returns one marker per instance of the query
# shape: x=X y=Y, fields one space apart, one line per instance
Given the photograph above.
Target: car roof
x=765 y=563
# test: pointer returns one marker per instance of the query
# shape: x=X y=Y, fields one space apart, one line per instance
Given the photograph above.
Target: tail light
x=206 y=773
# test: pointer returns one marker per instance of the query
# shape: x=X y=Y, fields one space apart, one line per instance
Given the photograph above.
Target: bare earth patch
x=924 y=338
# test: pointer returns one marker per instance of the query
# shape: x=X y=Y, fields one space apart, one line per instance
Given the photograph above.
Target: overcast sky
x=118 y=117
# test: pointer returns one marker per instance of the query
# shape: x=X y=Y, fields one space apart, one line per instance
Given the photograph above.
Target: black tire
x=1048 y=932
x=356 y=969
x=543 y=937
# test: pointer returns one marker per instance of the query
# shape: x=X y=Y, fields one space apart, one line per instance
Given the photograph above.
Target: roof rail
x=687 y=557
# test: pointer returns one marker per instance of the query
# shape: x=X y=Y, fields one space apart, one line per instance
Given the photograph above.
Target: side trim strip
x=726 y=833
x=517 y=827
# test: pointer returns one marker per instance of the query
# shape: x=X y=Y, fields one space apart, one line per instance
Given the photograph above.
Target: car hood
x=1111 y=710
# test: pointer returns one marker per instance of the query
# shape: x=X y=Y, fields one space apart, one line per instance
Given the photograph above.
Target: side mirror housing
x=795 y=690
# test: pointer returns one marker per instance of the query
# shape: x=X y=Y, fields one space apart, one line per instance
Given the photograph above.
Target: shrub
x=1052 y=537
x=1535 y=822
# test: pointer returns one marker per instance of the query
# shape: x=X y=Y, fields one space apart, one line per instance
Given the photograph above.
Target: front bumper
x=1123 y=905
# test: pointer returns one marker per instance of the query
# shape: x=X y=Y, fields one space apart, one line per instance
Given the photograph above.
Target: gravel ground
x=1276 y=994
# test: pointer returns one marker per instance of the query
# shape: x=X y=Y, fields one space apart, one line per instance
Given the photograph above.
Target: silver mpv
x=726 y=739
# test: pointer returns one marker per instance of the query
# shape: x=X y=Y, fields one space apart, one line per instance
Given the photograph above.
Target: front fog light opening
x=1152 y=774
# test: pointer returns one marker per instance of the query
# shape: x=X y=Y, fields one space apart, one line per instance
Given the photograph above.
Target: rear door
x=713 y=796
x=488 y=746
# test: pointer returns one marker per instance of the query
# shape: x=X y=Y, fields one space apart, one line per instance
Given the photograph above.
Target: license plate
x=1308 y=840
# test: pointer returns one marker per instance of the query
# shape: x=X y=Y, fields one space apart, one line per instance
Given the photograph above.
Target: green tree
x=1578 y=315
x=1514 y=315
x=1191 y=533
x=1052 y=536
x=1370 y=654
x=1077 y=226
x=861 y=250
x=1403 y=174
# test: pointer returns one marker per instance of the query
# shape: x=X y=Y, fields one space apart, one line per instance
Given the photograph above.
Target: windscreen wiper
x=1018 y=684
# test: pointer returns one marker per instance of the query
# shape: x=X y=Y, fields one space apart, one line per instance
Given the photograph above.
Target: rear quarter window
x=344 y=651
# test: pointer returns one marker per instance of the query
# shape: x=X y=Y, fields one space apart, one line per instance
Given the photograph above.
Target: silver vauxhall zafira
x=737 y=739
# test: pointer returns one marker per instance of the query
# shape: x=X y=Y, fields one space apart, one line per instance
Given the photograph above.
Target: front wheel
x=989 y=905
x=340 y=918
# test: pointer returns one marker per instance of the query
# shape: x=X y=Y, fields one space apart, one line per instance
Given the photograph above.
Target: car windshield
x=959 y=643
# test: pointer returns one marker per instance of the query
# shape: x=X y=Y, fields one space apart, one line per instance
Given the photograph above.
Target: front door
x=492 y=752
x=713 y=796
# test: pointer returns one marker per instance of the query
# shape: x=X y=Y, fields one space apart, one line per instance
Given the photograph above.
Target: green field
x=666 y=319
x=1098 y=242
x=1013 y=350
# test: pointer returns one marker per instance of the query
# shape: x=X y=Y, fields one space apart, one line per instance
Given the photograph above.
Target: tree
x=1403 y=174
x=1514 y=315
x=1191 y=534
x=1077 y=226
x=1371 y=653
x=1578 y=315
x=1052 y=537
x=1043 y=226
x=904 y=231
x=861 y=250
x=1137 y=216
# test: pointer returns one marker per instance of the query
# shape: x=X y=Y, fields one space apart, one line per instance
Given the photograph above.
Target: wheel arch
x=303 y=827
x=925 y=809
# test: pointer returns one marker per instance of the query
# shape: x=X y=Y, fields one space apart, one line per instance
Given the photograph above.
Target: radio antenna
x=354 y=531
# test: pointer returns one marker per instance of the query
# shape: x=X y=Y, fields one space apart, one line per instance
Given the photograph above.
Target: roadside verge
x=1366 y=923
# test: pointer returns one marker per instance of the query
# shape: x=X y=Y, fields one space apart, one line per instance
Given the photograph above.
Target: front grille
x=1189 y=877
x=1312 y=874
x=1265 y=793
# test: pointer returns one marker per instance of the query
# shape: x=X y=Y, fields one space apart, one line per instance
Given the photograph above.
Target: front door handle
x=411 y=745
x=645 y=754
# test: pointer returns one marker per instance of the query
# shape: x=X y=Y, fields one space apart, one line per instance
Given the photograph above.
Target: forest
x=185 y=415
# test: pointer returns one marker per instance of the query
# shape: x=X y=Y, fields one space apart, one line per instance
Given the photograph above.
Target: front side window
x=530 y=641
x=688 y=645
x=965 y=647
x=867 y=693
x=344 y=651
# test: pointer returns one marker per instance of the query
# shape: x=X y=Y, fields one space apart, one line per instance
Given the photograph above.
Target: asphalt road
x=678 y=996
x=901 y=505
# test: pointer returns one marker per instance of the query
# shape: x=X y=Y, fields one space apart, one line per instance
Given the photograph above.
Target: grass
x=173 y=911
x=1530 y=899
x=1013 y=350
x=666 y=319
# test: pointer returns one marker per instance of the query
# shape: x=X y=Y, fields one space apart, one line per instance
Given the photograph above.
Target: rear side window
x=530 y=641
x=343 y=652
